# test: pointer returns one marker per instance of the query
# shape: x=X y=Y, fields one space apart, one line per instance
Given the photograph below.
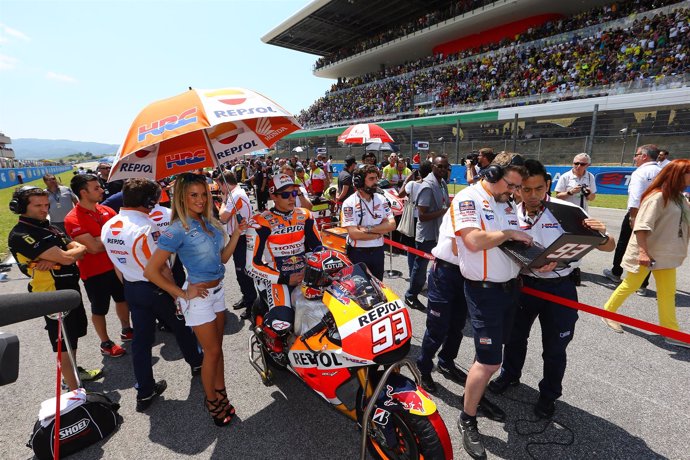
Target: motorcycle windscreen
x=359 y=285
x=381 y=330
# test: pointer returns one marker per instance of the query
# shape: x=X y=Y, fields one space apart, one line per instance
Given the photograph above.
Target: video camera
x=472 y=156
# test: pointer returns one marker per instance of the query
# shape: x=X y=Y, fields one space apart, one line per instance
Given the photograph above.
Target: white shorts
x=200 y=311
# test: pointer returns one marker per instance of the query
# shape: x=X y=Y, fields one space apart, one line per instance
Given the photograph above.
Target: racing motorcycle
x=350 y=340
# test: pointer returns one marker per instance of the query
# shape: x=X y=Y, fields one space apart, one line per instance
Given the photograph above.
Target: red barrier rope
x=637 y=323
x=409 y=249
x=644 y=325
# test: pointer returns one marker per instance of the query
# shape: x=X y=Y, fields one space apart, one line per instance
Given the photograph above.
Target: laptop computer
x=576 y=240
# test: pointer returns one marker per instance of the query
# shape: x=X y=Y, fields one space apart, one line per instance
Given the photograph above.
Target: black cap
x=350 y=160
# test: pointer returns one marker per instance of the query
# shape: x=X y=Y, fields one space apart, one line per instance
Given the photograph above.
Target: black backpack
x=82 y=426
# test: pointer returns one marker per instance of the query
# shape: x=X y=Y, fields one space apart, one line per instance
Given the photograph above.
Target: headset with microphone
x=494 y=172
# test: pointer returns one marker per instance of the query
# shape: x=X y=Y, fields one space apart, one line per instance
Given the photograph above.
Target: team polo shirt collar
x=36 y=222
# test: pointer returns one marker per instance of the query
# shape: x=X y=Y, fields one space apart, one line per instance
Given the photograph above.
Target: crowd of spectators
x=455 y=8
x=596 y=16
x=648 y=50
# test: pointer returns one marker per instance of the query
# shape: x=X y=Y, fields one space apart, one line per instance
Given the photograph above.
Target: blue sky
x=82 y=70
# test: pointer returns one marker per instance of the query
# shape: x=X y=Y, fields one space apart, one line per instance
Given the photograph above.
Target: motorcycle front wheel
x=417 y=437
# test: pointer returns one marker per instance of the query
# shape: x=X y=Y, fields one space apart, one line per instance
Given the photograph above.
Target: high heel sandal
x=224 y=400
x=221 y=416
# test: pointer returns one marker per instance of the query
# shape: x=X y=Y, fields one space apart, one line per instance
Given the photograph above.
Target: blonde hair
x=179 y=202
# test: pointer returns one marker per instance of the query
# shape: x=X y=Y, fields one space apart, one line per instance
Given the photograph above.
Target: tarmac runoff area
x=625 y=396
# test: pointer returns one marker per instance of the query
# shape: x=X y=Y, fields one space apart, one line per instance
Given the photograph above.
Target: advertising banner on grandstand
x=11 y=176
x=199 y=128
x=321 y=150
x=421 y=145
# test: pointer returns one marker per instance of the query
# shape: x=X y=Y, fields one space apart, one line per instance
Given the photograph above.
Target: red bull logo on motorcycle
x=185 y=158
x=411 y=400
x=169 y=123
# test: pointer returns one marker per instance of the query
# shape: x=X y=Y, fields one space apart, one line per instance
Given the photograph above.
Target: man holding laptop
x=557 y=321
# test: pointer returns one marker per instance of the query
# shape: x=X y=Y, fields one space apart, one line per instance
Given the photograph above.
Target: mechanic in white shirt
x=367 y=217
x=557 y=321
x=236 y=209
x=130 y=239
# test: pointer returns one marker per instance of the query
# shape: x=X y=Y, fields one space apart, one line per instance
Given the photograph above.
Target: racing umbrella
x=197 y=129
x=364 y=133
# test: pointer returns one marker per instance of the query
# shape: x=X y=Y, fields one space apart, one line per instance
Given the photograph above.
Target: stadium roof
x=325 y=26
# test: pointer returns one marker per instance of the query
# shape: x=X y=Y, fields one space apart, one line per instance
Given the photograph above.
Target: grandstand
x=545 y=78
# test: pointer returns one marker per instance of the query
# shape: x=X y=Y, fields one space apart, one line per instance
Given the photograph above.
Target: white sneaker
x=609 y=274
x=677 y=343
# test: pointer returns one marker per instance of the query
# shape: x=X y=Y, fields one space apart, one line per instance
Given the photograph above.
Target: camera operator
x=48 y=257
x=476 y=163
x=577 y=186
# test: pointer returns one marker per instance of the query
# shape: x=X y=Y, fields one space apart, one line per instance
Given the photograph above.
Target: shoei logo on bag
x=485 y=341
x=72 y=430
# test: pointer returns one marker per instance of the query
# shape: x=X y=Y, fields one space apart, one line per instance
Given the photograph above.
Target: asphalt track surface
x=626 y=396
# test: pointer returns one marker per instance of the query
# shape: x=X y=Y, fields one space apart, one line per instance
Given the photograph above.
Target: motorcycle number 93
x=388 y=331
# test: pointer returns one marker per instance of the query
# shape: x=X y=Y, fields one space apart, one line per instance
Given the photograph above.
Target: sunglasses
x=577 y=163
x=286 y=195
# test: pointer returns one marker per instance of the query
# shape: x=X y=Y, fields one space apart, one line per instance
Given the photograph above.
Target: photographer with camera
x=476 y=162
x=577 y=186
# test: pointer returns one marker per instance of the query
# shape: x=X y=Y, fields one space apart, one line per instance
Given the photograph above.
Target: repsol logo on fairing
x=380 y=311
x=73 y=429
x=308 y=359
x=115 y=241
x=290 y=229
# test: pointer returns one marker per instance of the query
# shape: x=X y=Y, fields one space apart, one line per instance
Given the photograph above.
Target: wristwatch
x=608 y=237
x=569 y=192
x=368 y=229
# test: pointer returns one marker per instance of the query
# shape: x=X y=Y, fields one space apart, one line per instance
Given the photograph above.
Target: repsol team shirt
x=80 y=221
x=357 y=211
x=160 y=215
x=27 y=241
x=545 y=229
x=238 y=203
x=475 y=207
x=130 y=239
x=446 y=248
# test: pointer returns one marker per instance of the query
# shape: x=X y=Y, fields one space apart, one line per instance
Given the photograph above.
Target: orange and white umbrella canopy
x=197 y=129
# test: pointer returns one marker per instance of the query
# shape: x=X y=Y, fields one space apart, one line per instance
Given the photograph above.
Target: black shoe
x=158 y=389
x=239 y=304
x=428 y=383
x=471 y=440
x=501 y=383
x=491 y=410
x=245 y=314
x=544 y=408
x=413 y=302
x=196 y=371
x=453 y=373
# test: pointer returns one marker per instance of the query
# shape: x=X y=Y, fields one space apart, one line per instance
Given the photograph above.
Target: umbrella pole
x=222 y=175
x=390 y=273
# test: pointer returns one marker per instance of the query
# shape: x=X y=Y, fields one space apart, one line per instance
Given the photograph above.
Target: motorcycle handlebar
x=313 y=331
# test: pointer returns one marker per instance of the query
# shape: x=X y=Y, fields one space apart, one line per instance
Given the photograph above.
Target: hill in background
x=37 y=149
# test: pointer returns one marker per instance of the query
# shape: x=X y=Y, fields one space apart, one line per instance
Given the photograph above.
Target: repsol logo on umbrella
x=169 y=123
x=247 y=146
x=136 y=167
x=185 y=158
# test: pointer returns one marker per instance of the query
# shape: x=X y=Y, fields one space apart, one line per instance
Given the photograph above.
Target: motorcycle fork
x=363 y=376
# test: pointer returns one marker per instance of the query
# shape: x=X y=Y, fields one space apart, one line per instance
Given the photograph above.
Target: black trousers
x=623 y=238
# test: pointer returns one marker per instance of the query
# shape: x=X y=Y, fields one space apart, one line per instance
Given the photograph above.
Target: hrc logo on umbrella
x=169 y=123
x=228 y=96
